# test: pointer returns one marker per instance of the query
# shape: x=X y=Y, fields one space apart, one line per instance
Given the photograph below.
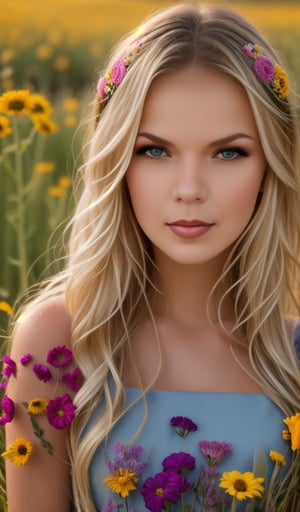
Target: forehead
x=197 y=100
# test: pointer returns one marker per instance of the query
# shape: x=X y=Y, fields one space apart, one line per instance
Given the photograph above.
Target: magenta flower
x=59 y=356
x=179 y=462
x=101 y=87
x=73 y=379
x=247 y=50
x=8 y=410
x=3 y=384
x=118 y=71
x=10 y=367
x=25 y=359
x=264 y=69
x=164 y=488
x=183 y=425
x=215 y=451
x=42 y=372
x=61 y=411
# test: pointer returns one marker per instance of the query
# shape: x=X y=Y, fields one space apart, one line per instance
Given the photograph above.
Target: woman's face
x=197 y=166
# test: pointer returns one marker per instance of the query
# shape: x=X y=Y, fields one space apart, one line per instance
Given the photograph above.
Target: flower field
x=50 y=56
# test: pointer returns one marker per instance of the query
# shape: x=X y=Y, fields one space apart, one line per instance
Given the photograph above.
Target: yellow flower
x=71 y=121
x=37 y=406
x=280 y=82
x=44 y=167
x=64 y=182
x=19 y=452
x=4 y=306
x=44 y=51
x=277 y=458
x=39 y=105
x=56 y=191
x=15 y=102
x=242 y=485
x=62 y=63
x=293 y=424
x=5 y=128
x=286 y=435
x=71 y=104
x=123 y=481
x=44 y=124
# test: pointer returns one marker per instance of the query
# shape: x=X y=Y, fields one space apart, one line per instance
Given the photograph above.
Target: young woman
x=180 y=282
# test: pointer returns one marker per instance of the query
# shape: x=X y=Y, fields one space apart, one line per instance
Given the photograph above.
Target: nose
x=190 y=182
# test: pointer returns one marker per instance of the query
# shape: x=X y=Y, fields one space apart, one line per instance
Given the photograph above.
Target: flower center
x=36 y=403
x=16 y=105
x=122 y=480
x=240 y=485
x=159 y=491
x=61 y=413
x=37 y=109
x=22 y=450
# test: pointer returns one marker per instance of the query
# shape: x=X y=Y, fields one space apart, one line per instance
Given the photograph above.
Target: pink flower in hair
x=101 y=87
x=247 y=50
x=264 y=69
x=118 y=71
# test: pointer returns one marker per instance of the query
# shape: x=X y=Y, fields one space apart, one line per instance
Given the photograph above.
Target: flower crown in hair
x=108 y=83
x=271 y=74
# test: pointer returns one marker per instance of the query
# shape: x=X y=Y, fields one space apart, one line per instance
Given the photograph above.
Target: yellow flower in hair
x=277 y=458
x=19 y=452
x=37 y=406
x=280 y=82
x=293 y=424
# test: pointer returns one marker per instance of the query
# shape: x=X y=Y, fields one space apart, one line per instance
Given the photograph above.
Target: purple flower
x=3 y=384
x=102 y=83
x=59 y=356
x=183 y=425
x=8 y=410
x=215 y=451
x=61 y=411
x=10 y=367
x=264 y=69
x=118 y=71
x=42 y=372
x=163 y=488
x=73 y=379
x=179 y=462
x=109 y=506
x=247 y=50
x=25 y=359
x=127 y=457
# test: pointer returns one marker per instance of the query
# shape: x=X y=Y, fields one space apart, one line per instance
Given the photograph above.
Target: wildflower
x=8 y=410
x=293 y=423
x=59 y=356
x=242 y=485
x=109 y=506
x=39 y=105
x=44 y=51
x=61 y=63
x=277 y=458
x=10 y=367
x=26 y=358
x=5 y=127
x=71 y=104
x=4 y=306
x=127 y=457
x=286 y=435
x=44 y=124
x=215 y=451
x=71 y=121
x=280 y=82
x=42 y=372
x=179 y=462
x=118 y=71
x=15 y=102
x=19 y=452
x=123 y=481
x=37 y=406
x=44 y=167
x=162 y=489
x=64 y=182
x=73 y=379
x=183 y=425
x=61 y=411
x=56 y=191
x=264 y=69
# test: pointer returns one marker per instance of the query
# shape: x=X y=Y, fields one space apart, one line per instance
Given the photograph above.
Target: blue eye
x=231 y=153
x=152 y=151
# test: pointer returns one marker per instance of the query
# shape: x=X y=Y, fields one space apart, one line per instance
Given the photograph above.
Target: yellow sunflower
x=15 y=102
x=280 y=82
x=242 y=485
x=5 y=128
x=293 y=424
x=123 y=481
x=37 y=406
x=44 y=124
x=39 y=105
x=19 y=452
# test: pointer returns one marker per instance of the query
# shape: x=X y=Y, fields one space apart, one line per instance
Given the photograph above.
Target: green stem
x=233 y=505
x=20 y=227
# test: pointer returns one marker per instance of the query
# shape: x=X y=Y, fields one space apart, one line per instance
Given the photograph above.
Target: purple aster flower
x=59 y=356
x=42 y=372
x=163 y=488
x=109 y=506
x=180 y=462
x=127 y=457
x=25 y=359
x=61 y=411
x=10 y=367
x=73 y=379
x=212 y=496
x=8 y=410
x=183 y=425
x=215 y=451
x=264 y=69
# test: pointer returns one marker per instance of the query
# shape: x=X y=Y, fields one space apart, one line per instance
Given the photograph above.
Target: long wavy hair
x=110 y=267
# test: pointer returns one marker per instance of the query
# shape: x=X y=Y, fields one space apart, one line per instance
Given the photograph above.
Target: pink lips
x=189 y=228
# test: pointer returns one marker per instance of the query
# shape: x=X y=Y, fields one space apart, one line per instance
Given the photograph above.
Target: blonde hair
x=110 y=266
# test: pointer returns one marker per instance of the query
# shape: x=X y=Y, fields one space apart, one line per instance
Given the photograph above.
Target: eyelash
x=240 y=152
x=143 y=150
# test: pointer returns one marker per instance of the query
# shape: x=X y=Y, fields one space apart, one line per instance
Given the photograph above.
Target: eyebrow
x=223 y=140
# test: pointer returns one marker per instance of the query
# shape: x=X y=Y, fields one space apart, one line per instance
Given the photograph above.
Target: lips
x=189 y=223
x=189 y=228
